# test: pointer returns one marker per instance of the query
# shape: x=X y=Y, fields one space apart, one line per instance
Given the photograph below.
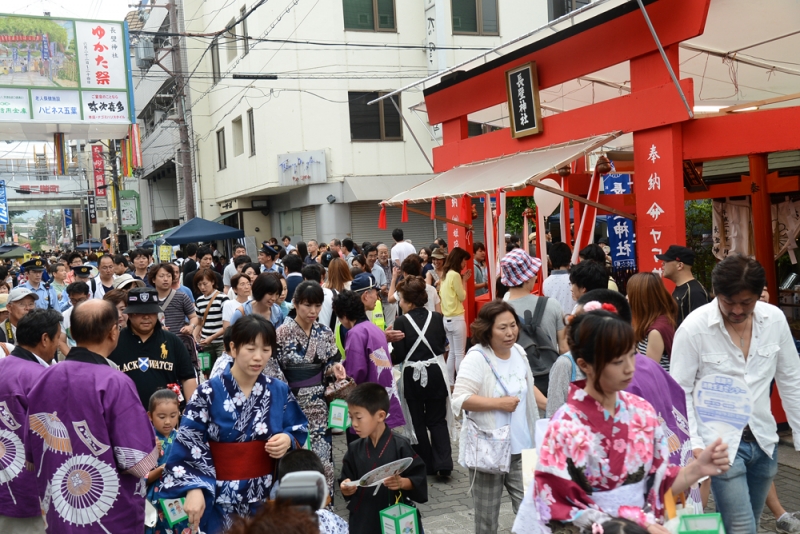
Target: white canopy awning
x=508 y=173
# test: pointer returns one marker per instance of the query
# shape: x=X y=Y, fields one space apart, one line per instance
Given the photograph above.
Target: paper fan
x=12 y=458
x=377 y=476
x=50 y=428
x=84 y=490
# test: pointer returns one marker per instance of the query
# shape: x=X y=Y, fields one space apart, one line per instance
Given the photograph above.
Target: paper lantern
x=399 y=519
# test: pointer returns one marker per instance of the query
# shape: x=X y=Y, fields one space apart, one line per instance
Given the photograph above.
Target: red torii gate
x=664 y=134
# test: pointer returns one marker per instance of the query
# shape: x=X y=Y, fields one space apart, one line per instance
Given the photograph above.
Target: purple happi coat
x=20 y=371
x=92 y=447
x=368 y=360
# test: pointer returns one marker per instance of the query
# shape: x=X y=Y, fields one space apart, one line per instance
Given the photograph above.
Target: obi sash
x=303 y=375
x=241 y=461
x=628 y=495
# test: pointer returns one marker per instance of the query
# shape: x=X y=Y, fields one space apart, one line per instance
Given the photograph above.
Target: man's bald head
x=92 y=320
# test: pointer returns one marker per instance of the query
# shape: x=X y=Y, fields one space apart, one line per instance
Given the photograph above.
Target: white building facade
x=303 y=154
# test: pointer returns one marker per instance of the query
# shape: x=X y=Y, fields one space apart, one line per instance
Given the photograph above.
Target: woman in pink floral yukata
x=604 y=453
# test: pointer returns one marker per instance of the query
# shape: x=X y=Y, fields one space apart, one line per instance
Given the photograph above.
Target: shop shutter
x=364 y=223
x=308 y=218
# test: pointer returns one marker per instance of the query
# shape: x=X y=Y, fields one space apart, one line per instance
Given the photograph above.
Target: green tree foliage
x=514 y=208
x=698 y=225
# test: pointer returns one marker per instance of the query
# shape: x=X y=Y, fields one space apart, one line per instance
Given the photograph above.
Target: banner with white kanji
x=620 y=229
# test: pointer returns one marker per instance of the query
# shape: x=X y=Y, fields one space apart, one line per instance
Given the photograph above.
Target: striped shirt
x=213 y=321
x=179 y=309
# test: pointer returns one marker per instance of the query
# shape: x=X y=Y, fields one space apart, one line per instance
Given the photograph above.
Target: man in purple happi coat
x=89 y=438
x=37 y=340
x=367 y=357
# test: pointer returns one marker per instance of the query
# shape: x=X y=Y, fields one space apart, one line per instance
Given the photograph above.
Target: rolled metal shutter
x=364 y=223
x=308 y=222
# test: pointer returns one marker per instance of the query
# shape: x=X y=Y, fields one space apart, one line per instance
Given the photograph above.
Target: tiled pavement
x=449 y=506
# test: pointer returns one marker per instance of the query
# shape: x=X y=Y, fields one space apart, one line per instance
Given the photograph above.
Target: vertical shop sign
x=620 y=229
x=522 y=87
x=92 y=210
x=99 y=166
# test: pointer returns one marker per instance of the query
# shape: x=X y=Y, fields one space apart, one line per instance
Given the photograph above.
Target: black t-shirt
x=188 y=266
x=689 y=296
x=159 y=361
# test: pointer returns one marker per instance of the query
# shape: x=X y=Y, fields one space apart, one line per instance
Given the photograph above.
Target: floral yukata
x=154 y=493
x=593 y=465
x=307 y=360
x=220 y=412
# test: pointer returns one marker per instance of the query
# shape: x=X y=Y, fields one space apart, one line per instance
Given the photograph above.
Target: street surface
x=449 y=506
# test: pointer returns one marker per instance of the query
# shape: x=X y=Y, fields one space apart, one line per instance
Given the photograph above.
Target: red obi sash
x=241 y=461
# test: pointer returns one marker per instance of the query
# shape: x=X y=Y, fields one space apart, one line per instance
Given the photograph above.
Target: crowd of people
x=176 y=396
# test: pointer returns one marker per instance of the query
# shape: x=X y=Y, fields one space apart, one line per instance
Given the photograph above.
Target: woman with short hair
x=495 y=387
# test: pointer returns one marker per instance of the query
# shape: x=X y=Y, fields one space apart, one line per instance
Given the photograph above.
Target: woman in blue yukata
x=233 y=429
x=308 y=357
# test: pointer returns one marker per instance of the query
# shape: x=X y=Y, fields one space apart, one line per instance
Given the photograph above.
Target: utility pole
x=122 y=239
x=184 y=151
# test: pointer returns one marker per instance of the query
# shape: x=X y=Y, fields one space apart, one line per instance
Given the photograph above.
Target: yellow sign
x=164 y=253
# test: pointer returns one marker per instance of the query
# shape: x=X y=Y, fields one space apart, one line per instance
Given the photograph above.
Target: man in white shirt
x=557 y=285
x=230 y=269
x=104 y=281
x=738 y=336
x=401 y=249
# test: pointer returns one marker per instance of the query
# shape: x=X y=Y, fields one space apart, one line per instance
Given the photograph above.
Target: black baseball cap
x=143 y=300
x=678 y=253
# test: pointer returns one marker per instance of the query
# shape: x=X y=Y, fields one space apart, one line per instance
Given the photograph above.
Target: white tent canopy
x=508 y=173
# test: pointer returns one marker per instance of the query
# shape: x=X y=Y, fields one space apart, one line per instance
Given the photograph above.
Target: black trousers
x=430 y=415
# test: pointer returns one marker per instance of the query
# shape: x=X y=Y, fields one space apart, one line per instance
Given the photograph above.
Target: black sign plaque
x=522 y=86
x=92 y=210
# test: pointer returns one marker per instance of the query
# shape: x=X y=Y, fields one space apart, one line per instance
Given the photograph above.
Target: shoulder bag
x=488 y=451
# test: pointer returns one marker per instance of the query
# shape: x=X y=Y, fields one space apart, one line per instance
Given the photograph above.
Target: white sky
x=84 y=9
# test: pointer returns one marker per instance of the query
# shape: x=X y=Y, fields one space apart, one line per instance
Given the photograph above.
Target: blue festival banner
x=3 y=203
x=45 y=47
x=68 y=218
x=620 y=229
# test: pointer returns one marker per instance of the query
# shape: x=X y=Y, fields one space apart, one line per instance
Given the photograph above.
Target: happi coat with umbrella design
x=92 y=444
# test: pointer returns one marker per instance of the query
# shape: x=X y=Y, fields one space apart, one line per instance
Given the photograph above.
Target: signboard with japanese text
x=522 y=86
x=92 y=209
x=55 y=71
x=99 y=170
x=102 y=54
x=302 y=168
x=52 y=105
x=130 y=210
x=105 y=106
x=14 y=104
x=620 y=229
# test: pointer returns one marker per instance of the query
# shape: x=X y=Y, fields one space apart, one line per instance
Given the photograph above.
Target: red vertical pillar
x=762 y=222
x=458 y=236
x=658 y=180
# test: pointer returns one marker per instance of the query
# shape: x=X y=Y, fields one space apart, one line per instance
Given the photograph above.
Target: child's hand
x=347 y=490
x=277 y=445
x=395 y=483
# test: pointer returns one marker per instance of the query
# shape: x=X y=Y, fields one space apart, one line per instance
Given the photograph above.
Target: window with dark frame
x=475 y=17
x=245 y=35
x=378 y=122
x=251 y=125
x=559 y=8
x=369 y=15
x=223 y=163
x=215 y=72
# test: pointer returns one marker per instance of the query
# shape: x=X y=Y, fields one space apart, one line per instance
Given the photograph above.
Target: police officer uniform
x=47 y=298
x=83 y=273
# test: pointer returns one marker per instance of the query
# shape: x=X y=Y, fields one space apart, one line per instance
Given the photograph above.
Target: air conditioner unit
x=144 y=53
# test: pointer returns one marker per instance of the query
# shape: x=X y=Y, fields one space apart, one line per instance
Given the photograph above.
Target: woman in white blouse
x=493 y=404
